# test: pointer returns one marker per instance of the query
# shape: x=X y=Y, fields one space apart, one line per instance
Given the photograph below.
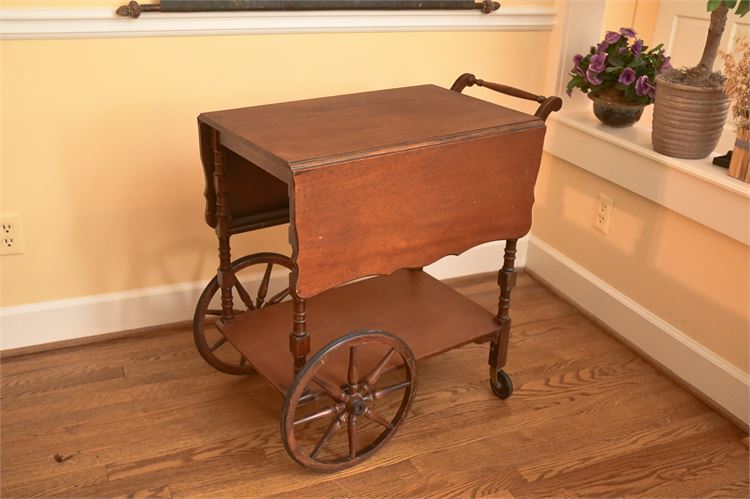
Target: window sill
x=694 y=188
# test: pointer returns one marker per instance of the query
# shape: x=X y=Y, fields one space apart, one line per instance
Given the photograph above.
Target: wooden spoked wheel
x=211 y=344
x=348 y=400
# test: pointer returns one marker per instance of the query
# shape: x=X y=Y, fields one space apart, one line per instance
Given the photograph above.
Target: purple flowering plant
x=620 y=68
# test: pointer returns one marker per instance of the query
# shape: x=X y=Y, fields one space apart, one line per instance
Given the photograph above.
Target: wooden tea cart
x=371 y=184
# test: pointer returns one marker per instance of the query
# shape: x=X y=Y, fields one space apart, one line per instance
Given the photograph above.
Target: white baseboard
x=59 y=320
x=484 y=258
x=714 y=377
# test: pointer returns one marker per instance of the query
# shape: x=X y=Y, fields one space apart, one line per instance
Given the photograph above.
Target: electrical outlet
x=11 y=235
x=603 y=215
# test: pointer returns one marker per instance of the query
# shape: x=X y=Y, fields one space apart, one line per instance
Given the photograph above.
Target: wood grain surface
x=144 y=416
x=428 y=315
x=252 y=191
x=401 y=177
x=411 y=209
x=303 y=134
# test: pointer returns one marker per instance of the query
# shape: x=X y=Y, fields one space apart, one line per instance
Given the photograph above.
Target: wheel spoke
x=332 y=390
x=307 y=397
x=279 y=296
x=244 y=295
x=335 y=425
x=374 y=376
x=377 y=418
x=353 y=371
x=334 y=409
x=351 y=429
x=389 y=389
x=218 y=343
x=263 y=288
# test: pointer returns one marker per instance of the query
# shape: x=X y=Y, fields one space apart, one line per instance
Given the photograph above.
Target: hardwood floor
x=144 y=416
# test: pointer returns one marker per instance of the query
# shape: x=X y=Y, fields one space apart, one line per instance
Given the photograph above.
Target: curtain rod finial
x=132 y=9
x=489 y=6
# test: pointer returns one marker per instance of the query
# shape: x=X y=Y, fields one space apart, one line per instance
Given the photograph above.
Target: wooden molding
x=46 y=23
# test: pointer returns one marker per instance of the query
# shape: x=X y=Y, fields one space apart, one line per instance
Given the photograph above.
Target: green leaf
x=656 y=49
x=730 y=3
x=576 y=81
x=615 y=61
x=743 y=8
x=713 y=5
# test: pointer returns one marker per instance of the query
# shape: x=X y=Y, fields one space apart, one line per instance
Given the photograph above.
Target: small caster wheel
x=501 y=384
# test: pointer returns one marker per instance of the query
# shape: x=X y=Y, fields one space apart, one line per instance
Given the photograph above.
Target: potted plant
x=737 y=87
x=618 y=75
x=691 y=106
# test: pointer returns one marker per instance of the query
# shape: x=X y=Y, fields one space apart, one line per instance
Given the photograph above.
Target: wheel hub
x=356 y=405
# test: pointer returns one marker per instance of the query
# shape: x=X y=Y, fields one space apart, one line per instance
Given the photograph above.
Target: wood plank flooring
x=144 y=416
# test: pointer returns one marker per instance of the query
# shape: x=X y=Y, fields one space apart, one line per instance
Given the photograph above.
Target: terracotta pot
x=688 y=120
x=617 y=114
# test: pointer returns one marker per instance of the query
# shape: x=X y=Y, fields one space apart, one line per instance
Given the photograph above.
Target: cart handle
x=547 y=104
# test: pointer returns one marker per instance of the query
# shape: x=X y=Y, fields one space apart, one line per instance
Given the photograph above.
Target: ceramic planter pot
x=688 y=120
x=617 y=114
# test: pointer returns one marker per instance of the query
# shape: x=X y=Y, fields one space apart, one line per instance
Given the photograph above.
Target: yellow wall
x=99 y=155
x=687 y=274
x=99 y=138
x=638 y=14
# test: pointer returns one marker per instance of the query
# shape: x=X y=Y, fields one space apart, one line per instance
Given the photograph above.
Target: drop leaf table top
x=383 y=180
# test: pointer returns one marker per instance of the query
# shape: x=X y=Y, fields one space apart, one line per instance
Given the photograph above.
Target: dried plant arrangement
x=737 y=84
x=737 y=87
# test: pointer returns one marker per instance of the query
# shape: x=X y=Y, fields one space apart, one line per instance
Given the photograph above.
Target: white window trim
x=696 y=189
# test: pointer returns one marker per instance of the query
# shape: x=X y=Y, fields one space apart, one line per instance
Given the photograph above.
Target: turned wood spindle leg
x=507 y=280
x=224 y=274
x=299 y=339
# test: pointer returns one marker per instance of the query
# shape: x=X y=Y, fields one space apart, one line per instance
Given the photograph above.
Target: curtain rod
x=134 y=9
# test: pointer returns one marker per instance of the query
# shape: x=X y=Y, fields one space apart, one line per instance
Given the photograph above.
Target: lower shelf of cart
x=428 y=315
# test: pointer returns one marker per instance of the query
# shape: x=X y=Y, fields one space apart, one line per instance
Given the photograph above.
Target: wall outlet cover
x=11 y=235
x=603 y=214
